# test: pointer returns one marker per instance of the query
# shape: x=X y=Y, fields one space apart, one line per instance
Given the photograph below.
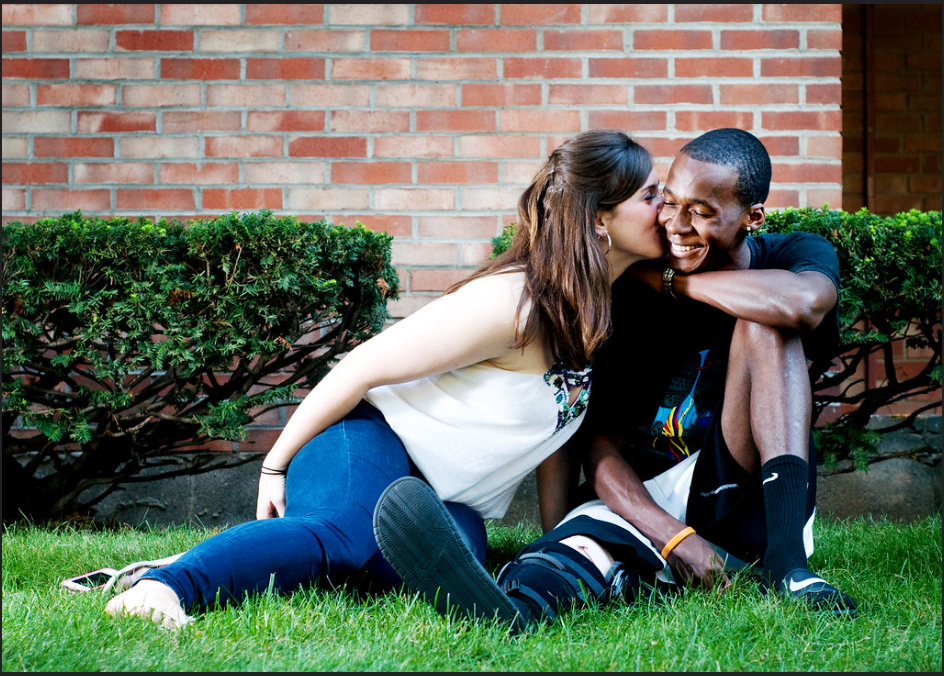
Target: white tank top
x=476 y=432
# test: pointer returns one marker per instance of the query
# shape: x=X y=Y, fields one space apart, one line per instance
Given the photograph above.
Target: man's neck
x=741 y=256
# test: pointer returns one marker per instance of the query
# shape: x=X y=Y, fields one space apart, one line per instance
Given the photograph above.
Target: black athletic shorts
x=726 y=503
x=725 y=506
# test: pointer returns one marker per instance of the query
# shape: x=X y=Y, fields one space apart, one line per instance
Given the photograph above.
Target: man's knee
x=592 y=549
x=552 y=577
x=763 y=339
x=765 y=355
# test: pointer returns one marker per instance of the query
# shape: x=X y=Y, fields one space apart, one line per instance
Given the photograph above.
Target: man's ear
x=756 y=216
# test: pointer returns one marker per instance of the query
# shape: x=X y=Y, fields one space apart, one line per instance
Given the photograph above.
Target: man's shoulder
x=772 y=244
x=783 y=238
x=796 y=251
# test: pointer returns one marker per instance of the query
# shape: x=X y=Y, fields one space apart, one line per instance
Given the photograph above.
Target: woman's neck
x=618 y=263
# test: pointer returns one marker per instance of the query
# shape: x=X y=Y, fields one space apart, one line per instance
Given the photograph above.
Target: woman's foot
x=423 y=544
x=152 y=600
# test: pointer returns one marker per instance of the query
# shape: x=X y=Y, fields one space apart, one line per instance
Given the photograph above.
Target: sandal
x=126 y=577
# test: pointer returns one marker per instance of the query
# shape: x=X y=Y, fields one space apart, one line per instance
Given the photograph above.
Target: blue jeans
x=327 y=533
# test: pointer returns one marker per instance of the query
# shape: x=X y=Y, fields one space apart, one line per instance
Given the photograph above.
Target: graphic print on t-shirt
x=688 y=405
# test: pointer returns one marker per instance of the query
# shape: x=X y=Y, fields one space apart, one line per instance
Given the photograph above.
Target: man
x=698 y=441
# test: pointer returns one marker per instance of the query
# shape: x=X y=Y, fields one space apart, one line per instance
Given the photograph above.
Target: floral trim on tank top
x=564 y=381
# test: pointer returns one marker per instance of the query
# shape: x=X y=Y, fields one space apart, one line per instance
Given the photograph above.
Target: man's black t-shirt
x=659 y=380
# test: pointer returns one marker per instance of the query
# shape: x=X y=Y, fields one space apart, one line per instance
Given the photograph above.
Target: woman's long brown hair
x=555 y=244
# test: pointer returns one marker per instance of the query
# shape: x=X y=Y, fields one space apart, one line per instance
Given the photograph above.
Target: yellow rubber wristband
x=673 y=543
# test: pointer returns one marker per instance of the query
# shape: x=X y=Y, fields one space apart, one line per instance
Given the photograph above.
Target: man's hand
x=271 y=500
x=695 y=562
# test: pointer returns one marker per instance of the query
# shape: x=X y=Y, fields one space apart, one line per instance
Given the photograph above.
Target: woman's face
x=633 y=224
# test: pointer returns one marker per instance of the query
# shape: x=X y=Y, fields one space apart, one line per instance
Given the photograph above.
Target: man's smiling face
x=703 y=221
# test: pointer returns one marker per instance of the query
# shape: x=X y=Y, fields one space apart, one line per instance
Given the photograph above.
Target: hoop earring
x=609 y=244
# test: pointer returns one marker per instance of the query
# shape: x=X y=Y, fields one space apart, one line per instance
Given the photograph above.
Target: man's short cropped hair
x=741 y=151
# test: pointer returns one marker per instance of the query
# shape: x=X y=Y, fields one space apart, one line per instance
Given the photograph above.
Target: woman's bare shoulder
x=511 y=279
x=504 y=285
x=504 y=291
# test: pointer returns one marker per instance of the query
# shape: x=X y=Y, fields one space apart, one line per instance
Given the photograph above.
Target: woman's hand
x=271 y=501
x=694 y=561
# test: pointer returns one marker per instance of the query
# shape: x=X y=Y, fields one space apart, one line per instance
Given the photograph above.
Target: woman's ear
x=601 y=222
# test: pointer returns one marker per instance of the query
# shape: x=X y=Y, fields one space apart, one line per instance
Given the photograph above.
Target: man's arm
x=791 y=300
x=621 y=489
x=557 y=479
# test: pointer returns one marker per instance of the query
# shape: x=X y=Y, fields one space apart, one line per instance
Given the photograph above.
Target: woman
x=470 y=393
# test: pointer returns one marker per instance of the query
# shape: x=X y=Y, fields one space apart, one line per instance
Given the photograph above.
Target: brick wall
x=853 y=108
x=891 y=102
x=425 y=121
x=891 y=130
x=906 y=61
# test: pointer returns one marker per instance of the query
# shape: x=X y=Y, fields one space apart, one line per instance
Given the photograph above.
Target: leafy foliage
x=125 y=341
x=890 y=296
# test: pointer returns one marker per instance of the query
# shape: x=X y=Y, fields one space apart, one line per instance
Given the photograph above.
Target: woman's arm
x=471 y=325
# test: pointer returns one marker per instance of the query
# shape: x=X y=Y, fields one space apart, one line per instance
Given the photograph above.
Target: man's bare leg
x=766 y=426
x=592 y=549
x=768 y=402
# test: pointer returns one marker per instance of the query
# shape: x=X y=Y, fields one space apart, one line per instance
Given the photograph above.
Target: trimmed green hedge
x=890 y=296
x=127 y=340
x=890 y=268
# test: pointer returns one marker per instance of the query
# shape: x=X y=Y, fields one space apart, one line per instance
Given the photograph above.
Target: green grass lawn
x=893 y=571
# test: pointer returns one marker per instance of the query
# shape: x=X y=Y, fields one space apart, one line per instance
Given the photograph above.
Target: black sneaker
x=802 y=585
x=421 y=541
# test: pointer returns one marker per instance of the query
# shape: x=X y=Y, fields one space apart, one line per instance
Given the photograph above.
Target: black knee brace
x=629 y=586
x=552 y=578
